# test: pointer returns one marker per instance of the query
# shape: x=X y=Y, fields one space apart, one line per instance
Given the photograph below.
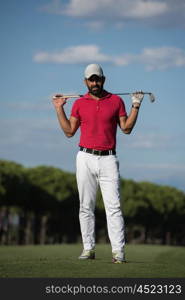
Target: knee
x=86 y=211
x=114 y=211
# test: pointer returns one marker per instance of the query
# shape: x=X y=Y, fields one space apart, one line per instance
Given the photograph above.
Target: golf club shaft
x=119 y=94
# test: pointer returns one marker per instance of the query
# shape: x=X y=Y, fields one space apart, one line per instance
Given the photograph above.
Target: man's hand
x=59 y=100
x=137 y=97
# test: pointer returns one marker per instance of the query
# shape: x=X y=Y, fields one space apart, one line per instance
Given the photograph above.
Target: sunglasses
x=95 y=78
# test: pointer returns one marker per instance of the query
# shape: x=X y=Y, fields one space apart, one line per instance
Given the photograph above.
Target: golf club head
x=151 y=97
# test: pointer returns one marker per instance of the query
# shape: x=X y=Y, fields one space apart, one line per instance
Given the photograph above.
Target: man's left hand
x=137 y=97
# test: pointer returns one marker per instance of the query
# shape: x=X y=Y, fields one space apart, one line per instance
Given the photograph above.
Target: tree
x=13 y=183
x=54 y=190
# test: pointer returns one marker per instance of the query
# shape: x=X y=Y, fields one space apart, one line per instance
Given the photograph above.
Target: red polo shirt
x=98 y=120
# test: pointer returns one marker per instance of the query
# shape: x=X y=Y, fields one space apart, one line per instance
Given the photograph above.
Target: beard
x=96 y=90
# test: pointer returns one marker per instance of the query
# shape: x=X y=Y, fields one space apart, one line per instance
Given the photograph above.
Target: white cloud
x=105 y=8
x=152 y=58
x=162 y=57
x=143 y=9
x=71 y=55
x=155 y=58
x=155 y=12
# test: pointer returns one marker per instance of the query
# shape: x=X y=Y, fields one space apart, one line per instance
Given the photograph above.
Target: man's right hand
x=59 y=100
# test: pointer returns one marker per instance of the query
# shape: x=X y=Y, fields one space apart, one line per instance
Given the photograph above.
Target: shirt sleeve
x=75 y=111
x=122 y=110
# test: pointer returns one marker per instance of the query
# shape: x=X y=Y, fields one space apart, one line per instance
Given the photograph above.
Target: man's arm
x=127 y=123
x=69 y=126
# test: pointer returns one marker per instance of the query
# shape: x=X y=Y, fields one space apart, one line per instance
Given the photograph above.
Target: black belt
x=98 y=152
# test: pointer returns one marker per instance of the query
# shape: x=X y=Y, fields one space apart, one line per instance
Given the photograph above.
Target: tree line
x=40 y=205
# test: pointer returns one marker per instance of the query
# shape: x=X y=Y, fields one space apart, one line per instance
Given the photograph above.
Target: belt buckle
x=96 y=152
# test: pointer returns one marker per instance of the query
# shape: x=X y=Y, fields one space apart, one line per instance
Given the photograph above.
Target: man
x=97 y=114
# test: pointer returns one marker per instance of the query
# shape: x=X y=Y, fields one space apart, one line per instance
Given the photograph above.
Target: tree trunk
x=28 y=230
x=146 y=235
x=43 y=230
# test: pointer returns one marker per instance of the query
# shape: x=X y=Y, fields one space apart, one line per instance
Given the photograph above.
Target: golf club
x=151 y=95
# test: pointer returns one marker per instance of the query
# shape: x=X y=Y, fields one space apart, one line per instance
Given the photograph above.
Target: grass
x=60 y=261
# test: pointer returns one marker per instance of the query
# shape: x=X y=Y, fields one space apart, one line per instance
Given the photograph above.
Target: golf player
x=97 y=114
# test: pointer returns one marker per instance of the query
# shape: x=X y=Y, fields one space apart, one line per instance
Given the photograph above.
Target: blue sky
x=45 y=46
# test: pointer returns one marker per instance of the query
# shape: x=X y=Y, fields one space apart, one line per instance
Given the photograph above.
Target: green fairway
x=144 y=261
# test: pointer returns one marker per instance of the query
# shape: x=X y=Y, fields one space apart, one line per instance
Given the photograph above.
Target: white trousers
x=93 y=170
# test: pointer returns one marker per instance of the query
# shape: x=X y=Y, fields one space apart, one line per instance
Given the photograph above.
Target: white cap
x=93 y=69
